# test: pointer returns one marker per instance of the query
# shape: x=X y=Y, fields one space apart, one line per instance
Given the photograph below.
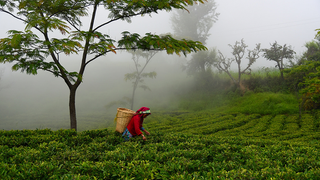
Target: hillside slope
x=209 y=144
x=275 y=127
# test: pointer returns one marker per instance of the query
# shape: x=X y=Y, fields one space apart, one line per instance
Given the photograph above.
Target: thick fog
x=290 y=22
x=41 y=101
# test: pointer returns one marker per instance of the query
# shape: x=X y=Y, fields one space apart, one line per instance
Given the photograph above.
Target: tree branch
x=115 y=20
x=1 y=9
x=116 y=49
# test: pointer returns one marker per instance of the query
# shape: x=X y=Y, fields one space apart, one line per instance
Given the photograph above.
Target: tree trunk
x=72 y=108
x=233 y=80
x=134 y=91
x=132 y=98
x=280 y=66
x=239 y=75
x=281 y=73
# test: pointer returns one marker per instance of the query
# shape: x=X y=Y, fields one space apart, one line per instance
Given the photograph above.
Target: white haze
x=41 y=101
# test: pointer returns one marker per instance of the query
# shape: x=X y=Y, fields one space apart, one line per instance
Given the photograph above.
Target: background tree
x=313 y=50
x=304 y=64
x=238 y=51
x=318 y=33
x=137 y=77
x=196 y=24
x=278 y=53
x=31 y=52
x=1 y=72
x=224 y=65
x=201 y=62
x=304 y=76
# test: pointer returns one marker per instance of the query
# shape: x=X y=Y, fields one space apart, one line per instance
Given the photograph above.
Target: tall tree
x=318 y=33
x=201 y=62
x=313 y=50
x=1 y=72
x=238 y=52
x=305 y=76
x=196 y=24
x=278 y=53
x=31 y=52
x=137 y=77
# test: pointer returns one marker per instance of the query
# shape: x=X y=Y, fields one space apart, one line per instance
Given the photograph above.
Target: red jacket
x=135 y=125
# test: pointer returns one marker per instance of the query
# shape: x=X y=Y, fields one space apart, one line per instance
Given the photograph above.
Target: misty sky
x=291 y=22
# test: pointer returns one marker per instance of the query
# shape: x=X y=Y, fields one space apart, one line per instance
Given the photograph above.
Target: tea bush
x=182 y=145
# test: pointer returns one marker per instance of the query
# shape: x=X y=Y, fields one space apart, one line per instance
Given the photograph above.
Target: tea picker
x=130 y=123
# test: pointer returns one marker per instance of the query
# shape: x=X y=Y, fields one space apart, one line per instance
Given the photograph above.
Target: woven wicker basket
x=123 y=118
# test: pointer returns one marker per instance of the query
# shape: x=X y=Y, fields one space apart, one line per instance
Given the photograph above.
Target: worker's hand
x=147 y=133
x=144 y=138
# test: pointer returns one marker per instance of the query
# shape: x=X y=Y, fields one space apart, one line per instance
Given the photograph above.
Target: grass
x=101 y=154
x=264 y=104
x=262 y=72
x=210 y=136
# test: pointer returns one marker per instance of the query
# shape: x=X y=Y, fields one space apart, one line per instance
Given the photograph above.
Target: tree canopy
x=196 y=22
x=239 y=49
x=138 y=75
x=35 y=48
x=305 y=75
x=278 y=53
x=318 y=33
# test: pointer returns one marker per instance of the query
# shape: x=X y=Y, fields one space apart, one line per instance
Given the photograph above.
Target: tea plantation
x=182 y=145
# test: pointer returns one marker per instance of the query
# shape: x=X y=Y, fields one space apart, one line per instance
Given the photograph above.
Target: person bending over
x=135 y=126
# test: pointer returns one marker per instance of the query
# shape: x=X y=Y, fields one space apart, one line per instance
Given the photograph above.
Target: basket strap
x=115 y=119
x=123 y=116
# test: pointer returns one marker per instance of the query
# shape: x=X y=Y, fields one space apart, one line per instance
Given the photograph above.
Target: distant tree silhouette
x=137 y=77
x=196 y=24
x=278 y=53
x=238 y=51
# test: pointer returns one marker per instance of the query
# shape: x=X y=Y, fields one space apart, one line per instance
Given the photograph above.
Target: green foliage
x=223 y=142
x=305 y=77
x=223 y=123
x=266 y=80
x=201 y=62
x=278 y=53
x=101 y=154
x=313 y=51
x=207 y=93
x=311 y=93
x=122 y=9
x=30 y=52
x=165 y=42
x=318 y=33
x=265 y=103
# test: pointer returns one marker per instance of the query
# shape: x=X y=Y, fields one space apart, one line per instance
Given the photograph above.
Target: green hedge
x=101 y=154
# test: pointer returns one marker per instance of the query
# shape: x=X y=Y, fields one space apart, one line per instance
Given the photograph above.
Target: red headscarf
x=135 y=124
x=142 y=109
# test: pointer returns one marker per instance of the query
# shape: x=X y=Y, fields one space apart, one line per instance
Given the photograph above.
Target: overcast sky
x=291 y=22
